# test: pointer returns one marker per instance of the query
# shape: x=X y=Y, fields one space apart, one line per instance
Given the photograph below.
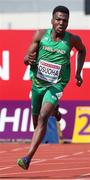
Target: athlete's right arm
x=29 y=59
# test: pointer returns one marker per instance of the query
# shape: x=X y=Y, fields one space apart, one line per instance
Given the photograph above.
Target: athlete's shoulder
x=75 y=37
x=39 y=34
x=75 y=40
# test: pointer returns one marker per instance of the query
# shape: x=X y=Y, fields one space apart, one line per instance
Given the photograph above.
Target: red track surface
x=61 y=161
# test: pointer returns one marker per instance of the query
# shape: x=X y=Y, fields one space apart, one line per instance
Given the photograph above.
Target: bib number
x=48 y=71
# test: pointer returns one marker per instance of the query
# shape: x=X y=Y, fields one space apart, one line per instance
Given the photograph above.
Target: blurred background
x=33 y=14
x=19 y=19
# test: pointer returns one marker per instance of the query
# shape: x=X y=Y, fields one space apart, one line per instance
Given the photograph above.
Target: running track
x=61 y=161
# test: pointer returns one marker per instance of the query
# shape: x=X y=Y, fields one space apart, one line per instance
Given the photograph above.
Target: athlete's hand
x=79 y=80
x=30 y=59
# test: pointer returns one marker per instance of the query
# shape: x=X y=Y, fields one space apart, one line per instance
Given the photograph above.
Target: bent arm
x=34 y=44
x=33 y=48
x=81 y=54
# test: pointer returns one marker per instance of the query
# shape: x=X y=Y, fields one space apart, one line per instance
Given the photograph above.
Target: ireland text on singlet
x=53 y=61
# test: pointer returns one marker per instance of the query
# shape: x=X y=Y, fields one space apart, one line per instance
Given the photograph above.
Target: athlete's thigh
x=37 y=96
x=52 y=95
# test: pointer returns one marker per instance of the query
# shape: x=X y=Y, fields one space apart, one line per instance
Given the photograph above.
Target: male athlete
x=50 y=72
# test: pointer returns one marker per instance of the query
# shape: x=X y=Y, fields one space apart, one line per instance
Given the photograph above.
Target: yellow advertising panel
x=81 y=133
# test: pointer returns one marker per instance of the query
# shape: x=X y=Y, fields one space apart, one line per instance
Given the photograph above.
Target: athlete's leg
x=37 y=96
x=48 y=105
x=57 y=113
x=46 y=110
x=35 y=121
x=40 y=130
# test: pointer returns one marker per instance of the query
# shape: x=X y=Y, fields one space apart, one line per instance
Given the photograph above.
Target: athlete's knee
x=43 y=118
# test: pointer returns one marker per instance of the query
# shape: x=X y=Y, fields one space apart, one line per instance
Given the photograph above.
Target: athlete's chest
x=60 y=47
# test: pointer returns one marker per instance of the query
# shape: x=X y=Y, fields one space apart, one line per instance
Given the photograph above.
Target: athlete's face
x=60 y=22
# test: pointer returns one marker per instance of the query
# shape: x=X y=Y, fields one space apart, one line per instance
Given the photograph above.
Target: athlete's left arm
x=81 y=54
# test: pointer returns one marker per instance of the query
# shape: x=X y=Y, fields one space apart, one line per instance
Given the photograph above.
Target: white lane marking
x=78 y=153
x=69 y=155
x=46 y=171
x=85 y=175
x=38 y=161
x=59 y=163
x=59 y=157
x=17 y=149
x=20 y=148
x=7 y=167
x=14 y=165
x=1 y=152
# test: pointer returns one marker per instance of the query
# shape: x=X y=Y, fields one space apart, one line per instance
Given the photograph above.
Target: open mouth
x=59 y=29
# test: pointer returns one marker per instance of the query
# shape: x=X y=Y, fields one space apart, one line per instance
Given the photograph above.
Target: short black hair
x=60 y=9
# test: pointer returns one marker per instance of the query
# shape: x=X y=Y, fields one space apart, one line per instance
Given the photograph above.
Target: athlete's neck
x=57 y=36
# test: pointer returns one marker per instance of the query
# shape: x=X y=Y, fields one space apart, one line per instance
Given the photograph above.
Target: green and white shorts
x=44 y=94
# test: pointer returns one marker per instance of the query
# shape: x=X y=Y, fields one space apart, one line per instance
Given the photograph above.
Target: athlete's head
x=61 y=9
x=60 y=17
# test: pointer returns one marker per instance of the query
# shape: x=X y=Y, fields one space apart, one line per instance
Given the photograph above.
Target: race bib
x=48 y=71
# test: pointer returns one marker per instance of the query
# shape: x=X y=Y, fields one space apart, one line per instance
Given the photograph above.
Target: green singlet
x=52 y=71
